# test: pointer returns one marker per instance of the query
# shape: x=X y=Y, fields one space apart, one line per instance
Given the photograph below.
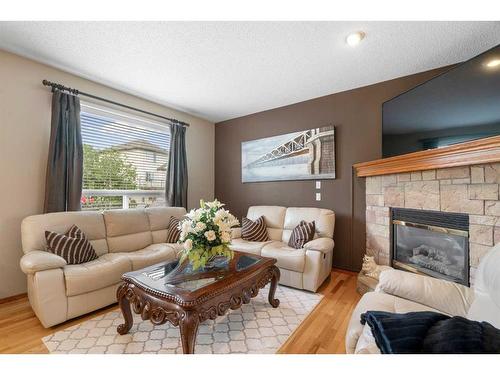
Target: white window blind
x=125 y=159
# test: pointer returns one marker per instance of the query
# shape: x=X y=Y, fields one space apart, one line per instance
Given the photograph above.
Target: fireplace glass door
x=435 y=251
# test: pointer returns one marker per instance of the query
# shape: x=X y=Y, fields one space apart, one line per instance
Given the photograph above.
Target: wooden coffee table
x=173 y=292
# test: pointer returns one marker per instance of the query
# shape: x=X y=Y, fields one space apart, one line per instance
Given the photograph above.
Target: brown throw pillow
x=73 y=246
x=174 y=232
x=254 y=230
x=302 y=233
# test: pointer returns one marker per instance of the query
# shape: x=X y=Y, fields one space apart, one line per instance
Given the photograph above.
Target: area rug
x=254 y=328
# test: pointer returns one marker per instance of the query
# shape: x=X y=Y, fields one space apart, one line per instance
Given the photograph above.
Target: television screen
x=460 y=105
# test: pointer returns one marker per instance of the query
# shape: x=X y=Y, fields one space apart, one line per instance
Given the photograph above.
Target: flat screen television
x=460 y=105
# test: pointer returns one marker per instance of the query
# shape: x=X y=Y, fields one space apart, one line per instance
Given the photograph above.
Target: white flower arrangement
x=206 y=233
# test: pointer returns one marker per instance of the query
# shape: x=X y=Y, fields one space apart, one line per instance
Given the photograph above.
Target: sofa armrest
x=35 y=261
x=324 y=244
x=235 y=233
x=448 y=297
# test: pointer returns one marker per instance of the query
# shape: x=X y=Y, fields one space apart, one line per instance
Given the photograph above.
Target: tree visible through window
x=118 y=171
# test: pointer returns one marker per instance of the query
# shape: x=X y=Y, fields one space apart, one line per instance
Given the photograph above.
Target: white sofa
x=403 y=292
x=304 y=268
x=125 y=240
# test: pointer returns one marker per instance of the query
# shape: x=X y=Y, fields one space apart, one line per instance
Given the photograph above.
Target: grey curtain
x=177 y=177
x=63 y=185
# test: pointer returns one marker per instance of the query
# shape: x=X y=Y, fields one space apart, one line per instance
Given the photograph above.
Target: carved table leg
x=272 y=289
x=189 y=329
x=121 y=296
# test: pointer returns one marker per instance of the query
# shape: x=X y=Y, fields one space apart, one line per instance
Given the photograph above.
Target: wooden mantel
x=481 y=151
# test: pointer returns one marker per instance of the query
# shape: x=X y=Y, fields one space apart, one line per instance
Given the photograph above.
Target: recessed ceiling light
x=354 y=39
x=493 y=63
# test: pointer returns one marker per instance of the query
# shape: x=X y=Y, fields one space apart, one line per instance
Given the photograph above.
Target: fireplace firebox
x=431 y=243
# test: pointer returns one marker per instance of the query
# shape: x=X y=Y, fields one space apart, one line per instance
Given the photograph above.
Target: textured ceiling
x=223 y=70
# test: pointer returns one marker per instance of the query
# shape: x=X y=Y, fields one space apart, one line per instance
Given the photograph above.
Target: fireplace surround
x=431 y=242
x=472 y=190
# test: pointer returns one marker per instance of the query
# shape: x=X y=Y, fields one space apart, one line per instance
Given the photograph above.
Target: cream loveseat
x=403 y=292
x=304 y=268
x=124 y=240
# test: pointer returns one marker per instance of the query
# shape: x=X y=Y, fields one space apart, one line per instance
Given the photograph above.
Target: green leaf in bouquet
x=196 y=264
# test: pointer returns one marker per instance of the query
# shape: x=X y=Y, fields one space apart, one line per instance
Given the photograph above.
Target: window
x=118 y=171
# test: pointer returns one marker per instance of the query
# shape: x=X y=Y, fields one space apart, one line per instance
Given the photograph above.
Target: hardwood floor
x=322 y=332
x=22 y=332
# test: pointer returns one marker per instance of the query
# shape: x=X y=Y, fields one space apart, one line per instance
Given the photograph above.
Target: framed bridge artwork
x=303 y=155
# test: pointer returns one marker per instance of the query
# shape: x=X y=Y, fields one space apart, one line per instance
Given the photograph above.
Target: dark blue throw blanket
x=430 y=332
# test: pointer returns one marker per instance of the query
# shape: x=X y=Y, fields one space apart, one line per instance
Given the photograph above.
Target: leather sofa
x=124 y=240
x=304 y=268
x=403 y=292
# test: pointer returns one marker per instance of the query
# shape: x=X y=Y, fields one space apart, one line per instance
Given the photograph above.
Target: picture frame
x=302 y=155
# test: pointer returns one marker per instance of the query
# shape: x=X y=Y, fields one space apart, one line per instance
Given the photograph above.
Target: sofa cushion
x=91 y=222
x=254 y=230
x=159 y=218
x=324 y=221
x=154 y=253
x=178 y=247
x=302 y=233
x=100 y=273
x=287 y=257
x=129 y=242
x=442 y=295
x=127 y=230
x=239 y=244
x=274 y=217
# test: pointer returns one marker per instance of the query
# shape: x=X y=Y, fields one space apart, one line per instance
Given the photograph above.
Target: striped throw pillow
x=302 y=233
x=173 y=231
x=254 y=230
x=75 y=232
x=73 y=246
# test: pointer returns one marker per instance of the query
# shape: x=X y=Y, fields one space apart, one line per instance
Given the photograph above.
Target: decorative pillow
x=254 y=230
x=73 y=246
x=302 y=233
x=174 y=232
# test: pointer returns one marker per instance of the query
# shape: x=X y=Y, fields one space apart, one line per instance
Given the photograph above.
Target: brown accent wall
x=357 y=116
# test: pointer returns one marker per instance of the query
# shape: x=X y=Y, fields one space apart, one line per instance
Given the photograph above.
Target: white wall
x=25 y=107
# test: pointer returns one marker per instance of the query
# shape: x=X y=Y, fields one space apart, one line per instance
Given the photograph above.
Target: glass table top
x=173 y=274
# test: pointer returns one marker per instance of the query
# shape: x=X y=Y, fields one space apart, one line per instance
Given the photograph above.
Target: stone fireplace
x=472 y=191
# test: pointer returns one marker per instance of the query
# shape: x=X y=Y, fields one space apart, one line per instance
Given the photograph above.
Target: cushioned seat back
x=274 y=217
x=159 y=218
x=90 y=222
x=486 y=304
x=324 y=220
x=127 y=230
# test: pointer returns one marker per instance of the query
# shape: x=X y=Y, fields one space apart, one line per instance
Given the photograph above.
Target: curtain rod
x=78 y=92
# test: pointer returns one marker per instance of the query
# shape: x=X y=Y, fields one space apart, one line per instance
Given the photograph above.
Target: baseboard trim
x=345 y=270
x=13 y=298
